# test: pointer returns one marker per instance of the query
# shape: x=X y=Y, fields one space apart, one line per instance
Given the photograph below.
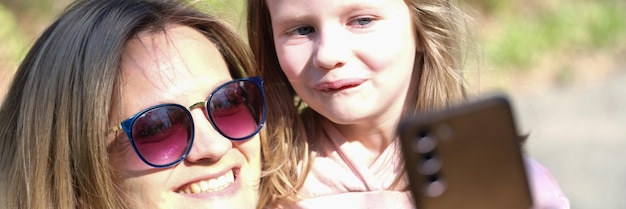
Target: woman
x=133 y=104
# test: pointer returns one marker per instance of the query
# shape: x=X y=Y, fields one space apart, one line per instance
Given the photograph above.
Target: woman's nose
x=332 y=48
x=208 y=145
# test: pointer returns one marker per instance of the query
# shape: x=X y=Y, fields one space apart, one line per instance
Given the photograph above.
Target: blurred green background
x=551 y=56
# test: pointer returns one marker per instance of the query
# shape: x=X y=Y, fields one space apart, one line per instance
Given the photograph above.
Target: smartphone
x=468 y=157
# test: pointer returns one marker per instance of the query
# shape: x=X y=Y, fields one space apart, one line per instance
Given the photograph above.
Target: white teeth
x=209 y=185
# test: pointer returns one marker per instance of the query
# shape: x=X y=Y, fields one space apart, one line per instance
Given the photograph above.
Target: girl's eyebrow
x=287 y=17
x=290 y=19
x=290 y=16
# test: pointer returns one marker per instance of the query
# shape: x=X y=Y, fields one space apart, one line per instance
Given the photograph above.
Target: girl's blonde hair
x=436 y=84
x=53 y=120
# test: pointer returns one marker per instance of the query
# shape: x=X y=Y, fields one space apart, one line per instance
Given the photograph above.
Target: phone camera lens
x=424 y=144
x=434 y=187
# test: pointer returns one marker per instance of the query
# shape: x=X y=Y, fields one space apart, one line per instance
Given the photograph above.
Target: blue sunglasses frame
x=127 y=124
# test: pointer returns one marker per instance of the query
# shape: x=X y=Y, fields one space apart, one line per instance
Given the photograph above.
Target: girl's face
x=181 y=66
x=350 y=60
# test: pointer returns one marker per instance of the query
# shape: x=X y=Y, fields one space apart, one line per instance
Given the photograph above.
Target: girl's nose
x=332 y=48
x=208 y=145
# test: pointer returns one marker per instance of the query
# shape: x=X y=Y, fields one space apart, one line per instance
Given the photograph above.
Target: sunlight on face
x=182 y=66
x=349 y=60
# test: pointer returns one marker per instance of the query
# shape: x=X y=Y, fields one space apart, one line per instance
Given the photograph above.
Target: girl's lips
x=338 y=85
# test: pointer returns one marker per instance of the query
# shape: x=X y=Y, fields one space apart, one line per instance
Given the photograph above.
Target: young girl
x=354 y=69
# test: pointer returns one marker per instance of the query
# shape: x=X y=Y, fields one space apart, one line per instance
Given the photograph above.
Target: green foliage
x=12 y=40
x=580 y=25
x=608 y=23
x=230 y=10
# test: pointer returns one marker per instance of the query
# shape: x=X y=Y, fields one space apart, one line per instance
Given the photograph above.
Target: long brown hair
x=436 y=83
x=53 y=152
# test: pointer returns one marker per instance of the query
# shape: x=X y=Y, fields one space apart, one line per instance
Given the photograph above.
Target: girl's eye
x=362 y=21
x=302 y=31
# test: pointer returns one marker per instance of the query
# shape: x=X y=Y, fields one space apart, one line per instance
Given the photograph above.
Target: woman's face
x=349 y=60
x=181 y=66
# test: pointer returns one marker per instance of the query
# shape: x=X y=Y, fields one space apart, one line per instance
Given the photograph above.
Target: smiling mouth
x=209 y=185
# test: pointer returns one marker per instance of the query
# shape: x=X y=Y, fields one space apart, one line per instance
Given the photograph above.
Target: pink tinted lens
x=236 y=109
x=162 y=135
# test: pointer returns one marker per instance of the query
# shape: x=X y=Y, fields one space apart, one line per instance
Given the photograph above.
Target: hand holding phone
x=466 y=157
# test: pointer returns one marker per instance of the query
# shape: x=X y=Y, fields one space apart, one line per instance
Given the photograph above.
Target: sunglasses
x=162 y=135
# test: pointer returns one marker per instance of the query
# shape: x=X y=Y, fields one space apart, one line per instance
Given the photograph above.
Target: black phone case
x=466 y=157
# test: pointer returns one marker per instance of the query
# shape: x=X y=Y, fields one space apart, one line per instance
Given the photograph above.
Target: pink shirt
x=338 y=181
